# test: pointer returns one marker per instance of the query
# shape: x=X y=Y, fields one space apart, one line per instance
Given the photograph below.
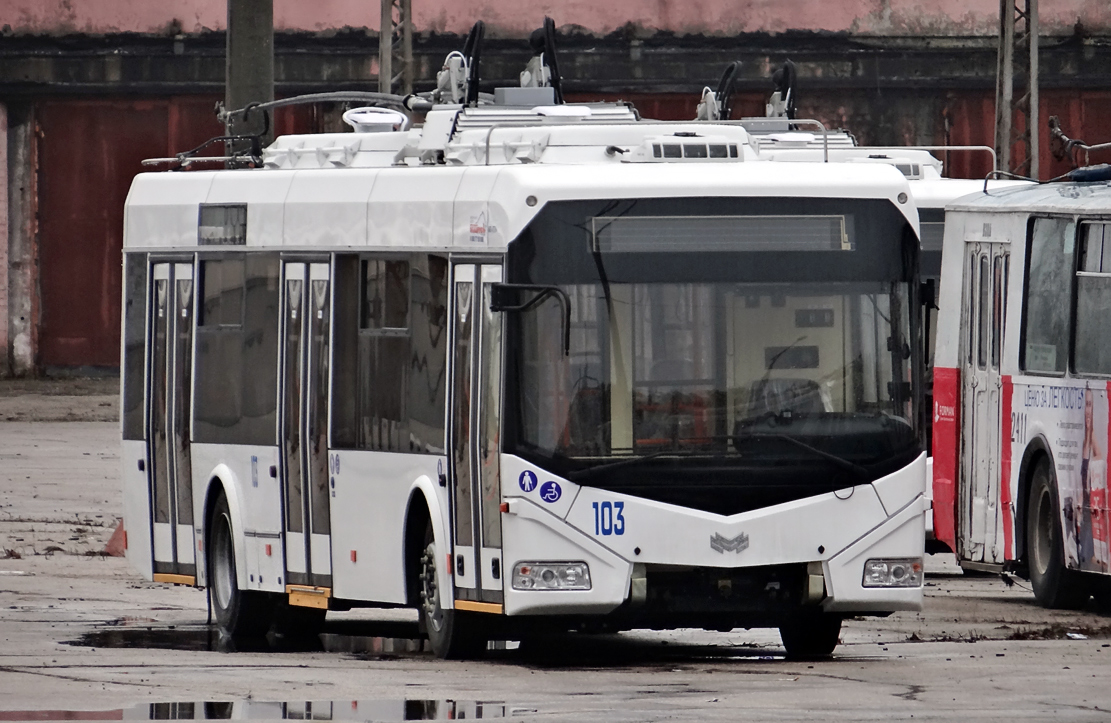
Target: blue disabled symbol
x=528 y=481
x=550 y=492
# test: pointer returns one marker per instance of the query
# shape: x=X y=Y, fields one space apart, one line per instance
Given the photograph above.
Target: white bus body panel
x=324 y=208
x=136 y=506
x=890 y=512
x=254 y=502
x=413 y=208
x=161 y=209
x=370 y=501
x=264 y=192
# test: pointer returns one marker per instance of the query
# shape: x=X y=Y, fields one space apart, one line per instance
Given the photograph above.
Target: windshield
x=757 y=373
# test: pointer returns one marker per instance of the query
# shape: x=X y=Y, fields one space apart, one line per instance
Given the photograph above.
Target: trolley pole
x=250 y=65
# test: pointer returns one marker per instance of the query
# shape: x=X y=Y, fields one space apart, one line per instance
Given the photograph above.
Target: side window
x=390 y=353
x=998 y=307
x=1049 y=263
x=237 y=350
x=983 y=321
x=134 y=344
x=973 y=316
x=1092 y=352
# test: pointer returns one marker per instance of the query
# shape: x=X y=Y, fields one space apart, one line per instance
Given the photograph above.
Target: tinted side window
x=134 y=344
x=390 y=354
x=1048 y=295
x=428 y=356
x=237 y=350
x=1092 y=353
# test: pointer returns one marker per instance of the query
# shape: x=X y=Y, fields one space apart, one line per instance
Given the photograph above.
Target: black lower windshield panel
x=717 y=374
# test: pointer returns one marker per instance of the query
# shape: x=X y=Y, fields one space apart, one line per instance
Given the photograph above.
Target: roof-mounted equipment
x=458 y=81
x=542 y=71
x=782 y=102
x=718 y=105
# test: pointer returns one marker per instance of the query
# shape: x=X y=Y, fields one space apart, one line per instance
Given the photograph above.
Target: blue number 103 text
x=609 y=518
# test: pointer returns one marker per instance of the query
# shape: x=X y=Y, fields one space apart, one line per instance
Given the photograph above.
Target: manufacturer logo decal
x=527 y=481
x=550 y=492
x=718 y=543
x=478 y=229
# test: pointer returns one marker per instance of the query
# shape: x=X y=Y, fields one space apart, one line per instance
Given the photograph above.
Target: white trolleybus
x=1021 y=383
x=528 y=368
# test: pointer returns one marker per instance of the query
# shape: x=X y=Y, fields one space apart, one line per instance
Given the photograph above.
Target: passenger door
x=304 y=350
x=169 y=414
x=981 y=439
x=475 y=425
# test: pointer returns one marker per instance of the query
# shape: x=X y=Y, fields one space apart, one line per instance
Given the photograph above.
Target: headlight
x=551 y=576
x=893 y=572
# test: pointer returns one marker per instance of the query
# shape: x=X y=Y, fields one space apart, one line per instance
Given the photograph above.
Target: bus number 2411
x=1018 y=427
x=609 y=518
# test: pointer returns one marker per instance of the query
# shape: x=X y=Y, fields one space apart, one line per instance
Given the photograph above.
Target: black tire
x=453 y=634
x=1055 y=586
x=810 y=635
x=241 y=614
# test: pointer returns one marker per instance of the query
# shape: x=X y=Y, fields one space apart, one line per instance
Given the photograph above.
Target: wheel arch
x=1035 y=450
x=422 y=508
x=222 y=482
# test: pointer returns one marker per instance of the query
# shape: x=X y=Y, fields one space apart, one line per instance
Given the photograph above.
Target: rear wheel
x=811 y=634
x=239 y=613
x=452 y=634
x=1055 y=586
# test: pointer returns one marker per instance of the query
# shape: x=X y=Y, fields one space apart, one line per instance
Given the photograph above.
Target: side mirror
x=507 y=297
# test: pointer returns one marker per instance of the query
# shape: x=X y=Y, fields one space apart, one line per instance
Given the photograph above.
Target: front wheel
x=241 y=614
x=452 y=634
x=1055 y=586
x=811 y=634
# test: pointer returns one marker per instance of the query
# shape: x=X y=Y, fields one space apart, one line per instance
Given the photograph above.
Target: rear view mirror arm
x=497 y=303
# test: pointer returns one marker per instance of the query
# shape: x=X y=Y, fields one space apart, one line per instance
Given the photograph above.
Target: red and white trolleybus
x=1022 y=373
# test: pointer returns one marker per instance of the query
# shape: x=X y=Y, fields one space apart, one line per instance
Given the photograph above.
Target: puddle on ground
x=343 y=637
x=355 y=711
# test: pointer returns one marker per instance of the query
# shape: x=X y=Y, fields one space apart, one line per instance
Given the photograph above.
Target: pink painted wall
x=516 y=19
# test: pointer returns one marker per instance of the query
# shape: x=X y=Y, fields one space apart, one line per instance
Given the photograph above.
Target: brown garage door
x=89 y=151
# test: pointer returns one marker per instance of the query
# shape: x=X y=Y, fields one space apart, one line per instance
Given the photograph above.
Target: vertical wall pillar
x=22 y=246
x=250 y=62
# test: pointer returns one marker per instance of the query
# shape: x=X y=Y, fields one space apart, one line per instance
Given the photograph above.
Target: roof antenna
x=716 y=106
x=542 y=70
x=458 y=81
x=782 y=102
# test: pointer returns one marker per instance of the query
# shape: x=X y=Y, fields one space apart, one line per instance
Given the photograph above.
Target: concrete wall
x=514 y=19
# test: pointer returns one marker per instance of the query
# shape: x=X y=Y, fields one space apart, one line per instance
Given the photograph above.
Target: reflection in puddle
x=353 y=710
x=375 y=638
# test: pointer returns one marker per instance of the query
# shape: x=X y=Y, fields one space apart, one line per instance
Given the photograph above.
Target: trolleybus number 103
x=609 y=518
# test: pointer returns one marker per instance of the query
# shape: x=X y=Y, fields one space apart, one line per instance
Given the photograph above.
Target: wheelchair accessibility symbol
x=550 y=492
x=527 y=481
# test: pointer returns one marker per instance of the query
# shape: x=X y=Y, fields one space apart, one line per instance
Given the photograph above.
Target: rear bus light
x=551 y=576
x=893 y=572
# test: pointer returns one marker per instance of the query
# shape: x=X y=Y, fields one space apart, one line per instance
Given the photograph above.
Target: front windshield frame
x=884 y=261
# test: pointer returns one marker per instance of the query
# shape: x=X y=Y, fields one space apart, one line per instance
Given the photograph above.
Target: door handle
x=142 y=465
x=274 y=471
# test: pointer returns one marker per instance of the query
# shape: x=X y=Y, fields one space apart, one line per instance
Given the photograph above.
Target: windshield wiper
x=591 y=471
x=858 y=470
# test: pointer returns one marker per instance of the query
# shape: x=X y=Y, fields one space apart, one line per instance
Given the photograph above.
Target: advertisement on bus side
x=1075 y=423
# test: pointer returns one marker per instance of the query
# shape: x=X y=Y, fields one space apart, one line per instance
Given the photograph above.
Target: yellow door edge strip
x=175 y=579
x=478 y=607
x=309 y=597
